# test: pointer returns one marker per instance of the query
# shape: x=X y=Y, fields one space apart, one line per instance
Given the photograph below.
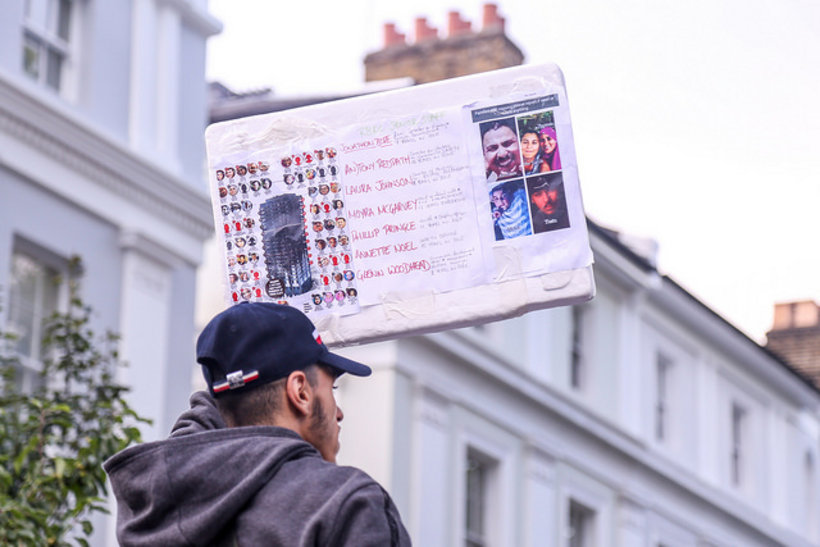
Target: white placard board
x=406 y=212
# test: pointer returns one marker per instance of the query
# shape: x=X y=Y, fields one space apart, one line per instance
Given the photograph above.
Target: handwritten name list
x=411 y=208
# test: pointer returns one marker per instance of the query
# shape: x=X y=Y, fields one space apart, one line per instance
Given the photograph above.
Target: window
x=577 y=357
x=810 y=501
x=580 y=525
x=33 y=295
x=663 y=367
x=46 y=40
x=478 y=495
x=743 y=455
x=738 y=438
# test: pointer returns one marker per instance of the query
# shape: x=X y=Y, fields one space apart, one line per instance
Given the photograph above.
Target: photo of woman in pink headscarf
x=549 y=148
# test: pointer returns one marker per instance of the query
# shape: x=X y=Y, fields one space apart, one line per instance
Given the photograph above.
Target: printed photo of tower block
x=285 y=243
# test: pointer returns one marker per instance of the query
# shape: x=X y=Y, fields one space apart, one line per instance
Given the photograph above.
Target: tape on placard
x=408 y=306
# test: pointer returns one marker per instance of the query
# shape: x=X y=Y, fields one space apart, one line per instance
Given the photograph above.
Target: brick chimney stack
x=393 y=37
x=492 y=21
x=424 y=31
x=430 y=57
x=456 y=25
x=795 y=337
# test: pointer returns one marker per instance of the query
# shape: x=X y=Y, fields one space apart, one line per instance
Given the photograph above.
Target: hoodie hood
x=187 y=489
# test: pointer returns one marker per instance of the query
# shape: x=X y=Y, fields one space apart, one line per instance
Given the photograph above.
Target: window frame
x=683 y=363
x=489 y=477
x=585 y=492
x=587 y=516
x=664 y=366
x=32 y=364
x=810 y=493
x=55 y=36
x=499 y=451
x=577 y=368
x=739 y=443
x=753 y=426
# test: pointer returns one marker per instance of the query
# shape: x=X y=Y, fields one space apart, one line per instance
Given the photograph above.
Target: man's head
x=500 y=198
x=265 y=364
x=546 y=195
x=501 y=151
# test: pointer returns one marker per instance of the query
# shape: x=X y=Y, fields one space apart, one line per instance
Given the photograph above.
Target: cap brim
x=342 y=364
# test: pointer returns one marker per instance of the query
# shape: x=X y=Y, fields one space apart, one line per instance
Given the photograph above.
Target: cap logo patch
x=317 y=337
x=235 y=380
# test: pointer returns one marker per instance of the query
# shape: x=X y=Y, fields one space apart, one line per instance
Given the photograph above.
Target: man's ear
x=299 y=392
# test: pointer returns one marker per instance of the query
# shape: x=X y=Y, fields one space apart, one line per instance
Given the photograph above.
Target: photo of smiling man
x=502 y=156
x=547 y=203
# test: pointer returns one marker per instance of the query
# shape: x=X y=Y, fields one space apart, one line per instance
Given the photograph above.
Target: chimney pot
x=392 y=36
x=492 y=21
x=456 y=25
x=790 y=315
x=424 y=31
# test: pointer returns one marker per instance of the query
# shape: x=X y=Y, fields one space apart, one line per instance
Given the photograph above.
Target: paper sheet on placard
x=551 y=238
x=411 y=206
x=402 y=212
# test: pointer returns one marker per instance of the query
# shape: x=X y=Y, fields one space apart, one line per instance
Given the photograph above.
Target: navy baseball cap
x=254 y=343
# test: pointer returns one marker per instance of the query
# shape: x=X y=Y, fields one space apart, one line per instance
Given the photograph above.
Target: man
x=548 y=203
x=509 y=209
x=253 y=463
x=499 y=142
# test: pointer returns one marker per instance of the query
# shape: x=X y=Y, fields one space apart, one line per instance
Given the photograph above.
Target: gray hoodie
x=246 y=486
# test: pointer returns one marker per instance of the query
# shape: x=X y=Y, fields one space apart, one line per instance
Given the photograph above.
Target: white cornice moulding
x=195 y=16
x=102 y=161
x=134 y=241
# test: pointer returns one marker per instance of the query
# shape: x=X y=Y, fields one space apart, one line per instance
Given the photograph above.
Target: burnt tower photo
x=285 y=244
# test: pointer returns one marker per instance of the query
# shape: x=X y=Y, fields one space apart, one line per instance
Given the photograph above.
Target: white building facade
x=639 y=419
x=102 y=115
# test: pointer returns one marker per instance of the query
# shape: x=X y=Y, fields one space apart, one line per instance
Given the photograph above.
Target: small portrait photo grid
x=285 y=230
x=524 y=146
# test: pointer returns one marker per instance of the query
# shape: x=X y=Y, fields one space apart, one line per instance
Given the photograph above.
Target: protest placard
x=437 y=206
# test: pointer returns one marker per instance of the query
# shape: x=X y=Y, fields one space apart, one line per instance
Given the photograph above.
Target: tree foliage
x=54 y=440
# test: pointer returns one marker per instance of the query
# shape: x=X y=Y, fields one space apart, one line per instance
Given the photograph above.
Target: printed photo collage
x=285 y=231
x=523 y=169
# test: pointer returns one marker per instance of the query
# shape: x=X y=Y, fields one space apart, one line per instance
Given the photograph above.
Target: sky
x=696 y=123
